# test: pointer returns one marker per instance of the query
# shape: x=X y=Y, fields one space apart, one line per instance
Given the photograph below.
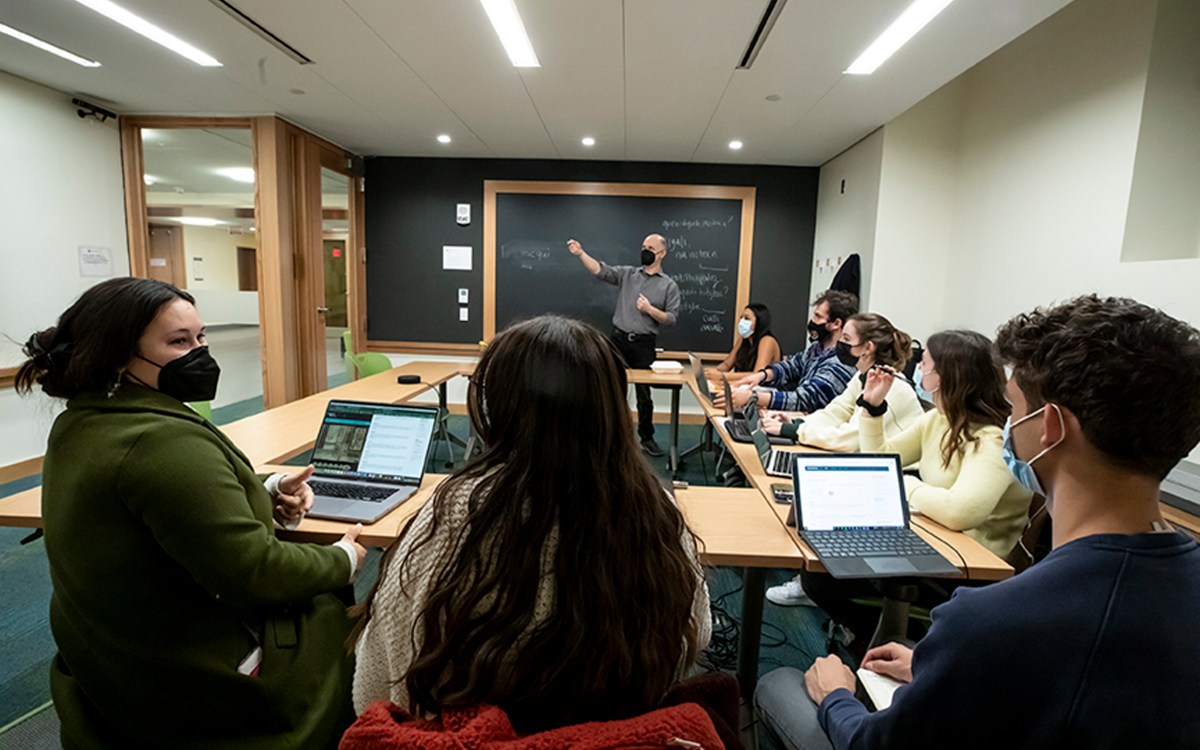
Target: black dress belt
x=631 y=337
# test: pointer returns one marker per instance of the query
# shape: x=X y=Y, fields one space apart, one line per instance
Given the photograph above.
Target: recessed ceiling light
x=150 y=31
x=735 y=145
x=196 y=221
x=47 y=46
x=588 y=141
x=240 y=174
x=149 y=180
x=507 y=23
x=905 y=27
x=443 y=138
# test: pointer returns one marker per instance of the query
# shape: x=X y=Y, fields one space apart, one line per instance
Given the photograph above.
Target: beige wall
x=1010 y=187
x=63 y=190
x=217 y=250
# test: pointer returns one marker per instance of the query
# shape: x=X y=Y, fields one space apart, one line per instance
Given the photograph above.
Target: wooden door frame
x=286 y=160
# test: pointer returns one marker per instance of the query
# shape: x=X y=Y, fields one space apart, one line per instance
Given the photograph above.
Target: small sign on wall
x=197 y=268
x=456 y=257
x=95 y=261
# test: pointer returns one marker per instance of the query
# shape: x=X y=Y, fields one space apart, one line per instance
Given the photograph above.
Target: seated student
x=868 y=339
x=754 y=348
x=964 y=485
x=810 y=379
x=1094 y=646
x=553 y=576
x=181 y=621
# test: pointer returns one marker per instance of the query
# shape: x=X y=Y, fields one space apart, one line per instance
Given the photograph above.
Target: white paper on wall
x=456 y=257
x=95 y=261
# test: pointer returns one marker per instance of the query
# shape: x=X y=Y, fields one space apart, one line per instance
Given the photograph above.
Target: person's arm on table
x=201 y=516
x=814 y=393
x=830 y=428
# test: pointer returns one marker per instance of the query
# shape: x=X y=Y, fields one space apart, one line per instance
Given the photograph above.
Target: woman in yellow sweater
x=965 y=484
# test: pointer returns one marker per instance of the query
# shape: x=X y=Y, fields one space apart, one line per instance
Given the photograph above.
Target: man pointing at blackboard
x=646 y=299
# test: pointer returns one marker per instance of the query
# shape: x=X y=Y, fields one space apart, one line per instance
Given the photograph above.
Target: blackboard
x=534 y=273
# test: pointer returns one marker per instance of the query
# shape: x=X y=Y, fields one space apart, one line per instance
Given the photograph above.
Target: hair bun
x=54 y=358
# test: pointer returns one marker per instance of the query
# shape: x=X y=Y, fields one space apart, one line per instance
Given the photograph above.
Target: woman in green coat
x=181 y=620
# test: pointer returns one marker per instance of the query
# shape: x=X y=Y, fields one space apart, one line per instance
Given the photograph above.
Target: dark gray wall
x=410 y=205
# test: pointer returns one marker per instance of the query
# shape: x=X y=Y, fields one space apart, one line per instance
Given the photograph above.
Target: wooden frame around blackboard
x=491 y=188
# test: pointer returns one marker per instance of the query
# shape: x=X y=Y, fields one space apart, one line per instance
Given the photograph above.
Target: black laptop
x=369 y=458
x=698 y=376
x=737 y=422
x=851 y=510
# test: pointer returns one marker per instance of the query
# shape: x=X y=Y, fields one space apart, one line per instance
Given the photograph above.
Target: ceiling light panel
x=134 y=22
x=905 y=27
x=47 y=46
x=507 y=23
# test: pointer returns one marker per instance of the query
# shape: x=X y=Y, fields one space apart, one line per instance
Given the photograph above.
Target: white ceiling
x=649 y=79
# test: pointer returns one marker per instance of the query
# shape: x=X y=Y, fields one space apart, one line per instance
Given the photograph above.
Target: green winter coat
x=167 y=574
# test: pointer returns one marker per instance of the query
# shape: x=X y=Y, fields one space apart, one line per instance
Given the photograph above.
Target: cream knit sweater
x=388 y=645
x=835 y=428
x=976 y=493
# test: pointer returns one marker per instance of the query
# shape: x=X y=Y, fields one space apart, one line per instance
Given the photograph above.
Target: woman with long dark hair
x=552 y=576
x=965 y=484
x=754 y=346
x=172 y=596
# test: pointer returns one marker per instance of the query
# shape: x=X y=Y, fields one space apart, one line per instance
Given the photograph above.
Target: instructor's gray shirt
x=660 y=289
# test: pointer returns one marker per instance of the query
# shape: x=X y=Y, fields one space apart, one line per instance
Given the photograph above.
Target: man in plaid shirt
x=810 y=379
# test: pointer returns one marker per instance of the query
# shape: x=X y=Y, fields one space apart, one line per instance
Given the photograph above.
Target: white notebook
x=879 y=687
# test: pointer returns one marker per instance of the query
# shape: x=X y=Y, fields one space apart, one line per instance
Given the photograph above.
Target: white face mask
x=1023 y=470
x=745 y=328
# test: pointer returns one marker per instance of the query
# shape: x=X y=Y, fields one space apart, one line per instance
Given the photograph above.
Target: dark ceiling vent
x=765 y=24
x=262 y=31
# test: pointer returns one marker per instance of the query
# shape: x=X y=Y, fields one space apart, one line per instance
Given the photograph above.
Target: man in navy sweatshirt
x=1096 y=645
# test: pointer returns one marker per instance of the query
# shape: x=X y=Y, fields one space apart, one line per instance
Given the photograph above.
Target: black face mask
x=817 y=331
x=192 y=377
x=844 y=355
x=647 y=258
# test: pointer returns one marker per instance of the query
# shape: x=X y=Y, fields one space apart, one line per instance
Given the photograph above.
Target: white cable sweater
x=835 y=428
x=388 y=645
x=975 y=494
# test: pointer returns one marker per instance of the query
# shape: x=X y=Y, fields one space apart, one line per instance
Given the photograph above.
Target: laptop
x=369 y=458
x=775 y=462
x=698 y=376
x=736 y=423
x=851 y=510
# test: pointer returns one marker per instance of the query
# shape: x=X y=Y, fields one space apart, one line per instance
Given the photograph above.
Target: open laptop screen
x=361 y=440
x=849 y=491
x=698 y=375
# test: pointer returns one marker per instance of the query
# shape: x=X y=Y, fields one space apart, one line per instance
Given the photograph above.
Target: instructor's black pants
x=639 y=354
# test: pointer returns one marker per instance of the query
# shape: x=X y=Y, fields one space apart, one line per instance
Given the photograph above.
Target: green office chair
x=203 y=408
x=348 y=354
x=370 y=363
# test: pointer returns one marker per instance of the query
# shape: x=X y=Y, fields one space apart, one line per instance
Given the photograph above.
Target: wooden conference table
x=737 y=527
x=973 y=559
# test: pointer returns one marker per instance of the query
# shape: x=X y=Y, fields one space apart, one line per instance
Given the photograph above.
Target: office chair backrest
x=371 y=363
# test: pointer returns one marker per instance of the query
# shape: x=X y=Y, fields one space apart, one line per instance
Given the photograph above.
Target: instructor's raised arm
x=590 y=263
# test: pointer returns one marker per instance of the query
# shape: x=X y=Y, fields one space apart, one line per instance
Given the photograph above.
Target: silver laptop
x=775 y=462
x=851 y=510
x=698 y=376
x=369 y=458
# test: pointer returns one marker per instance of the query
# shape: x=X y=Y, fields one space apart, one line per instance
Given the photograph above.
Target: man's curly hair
x=1128 y=372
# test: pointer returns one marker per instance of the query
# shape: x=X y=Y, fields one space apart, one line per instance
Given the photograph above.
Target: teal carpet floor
x=791 y=635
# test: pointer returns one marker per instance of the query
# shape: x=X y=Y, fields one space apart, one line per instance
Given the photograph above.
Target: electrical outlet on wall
x=463 y=296
x=462 y=315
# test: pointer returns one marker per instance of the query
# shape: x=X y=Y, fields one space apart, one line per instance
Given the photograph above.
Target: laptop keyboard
x=352 y=491
x=868 y=543
x=781 y=462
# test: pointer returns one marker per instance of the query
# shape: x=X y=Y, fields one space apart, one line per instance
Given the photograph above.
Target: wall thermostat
x=463 y=214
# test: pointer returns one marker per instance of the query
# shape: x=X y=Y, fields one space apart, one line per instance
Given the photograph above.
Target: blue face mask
x=922 y=394
x=744 y=328
x=1023 y=470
